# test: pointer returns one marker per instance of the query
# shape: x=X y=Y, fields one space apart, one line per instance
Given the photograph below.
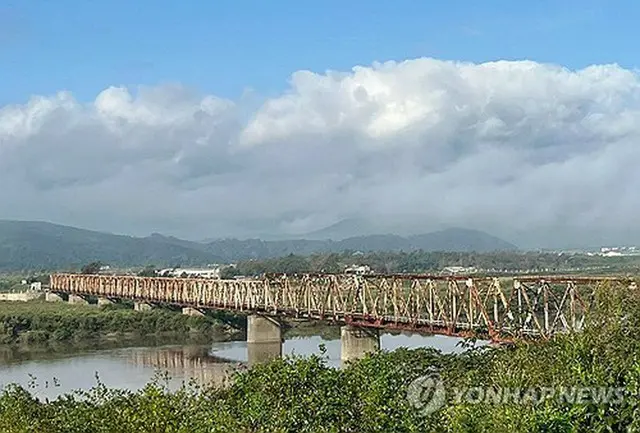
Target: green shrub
x=40 y=321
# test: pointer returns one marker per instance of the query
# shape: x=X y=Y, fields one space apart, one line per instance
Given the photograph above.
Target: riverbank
x=588 y=381
x=39 y=322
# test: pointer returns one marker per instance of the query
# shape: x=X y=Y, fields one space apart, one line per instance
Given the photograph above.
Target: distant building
x=618 y=251
x=455 y=270
x=358 y=270
x=191 y=273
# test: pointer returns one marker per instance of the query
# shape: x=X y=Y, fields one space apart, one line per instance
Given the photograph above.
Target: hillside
x=39 y=245
x=461 y=240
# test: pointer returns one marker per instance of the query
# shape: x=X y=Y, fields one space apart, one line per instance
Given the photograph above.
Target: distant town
x=218 y=271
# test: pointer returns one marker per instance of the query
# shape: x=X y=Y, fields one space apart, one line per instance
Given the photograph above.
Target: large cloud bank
x=522 y=149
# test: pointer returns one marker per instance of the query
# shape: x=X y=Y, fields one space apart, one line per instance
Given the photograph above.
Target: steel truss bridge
x=501 y=309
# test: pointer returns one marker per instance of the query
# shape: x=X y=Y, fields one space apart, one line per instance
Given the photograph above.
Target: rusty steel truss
x=498 y=308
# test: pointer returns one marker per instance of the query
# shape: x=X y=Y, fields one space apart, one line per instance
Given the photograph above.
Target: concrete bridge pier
x=53 y=297
x=264 y=339
x=77 y=300
x=142 y=306
x=356 y=342
x=190 y=311
x=104 y=302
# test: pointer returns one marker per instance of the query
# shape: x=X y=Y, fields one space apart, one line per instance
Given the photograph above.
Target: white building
x=358 y=270
x=455 y=270
x=191 y=272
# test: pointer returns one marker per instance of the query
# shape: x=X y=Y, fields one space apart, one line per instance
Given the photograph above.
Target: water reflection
x=186 y=363
x=11 y=354
x=262 y=352
x=306 y=346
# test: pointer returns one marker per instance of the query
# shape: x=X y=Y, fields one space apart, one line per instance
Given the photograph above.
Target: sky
x=276 y=119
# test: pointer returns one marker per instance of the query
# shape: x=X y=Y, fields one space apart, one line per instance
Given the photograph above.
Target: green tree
x=91 y=268
x=228 y=272
x=149 y=271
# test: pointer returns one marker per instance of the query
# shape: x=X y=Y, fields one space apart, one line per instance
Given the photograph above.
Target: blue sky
x=225 y=47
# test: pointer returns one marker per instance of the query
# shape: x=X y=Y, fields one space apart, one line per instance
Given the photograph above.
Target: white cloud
x=506 y=146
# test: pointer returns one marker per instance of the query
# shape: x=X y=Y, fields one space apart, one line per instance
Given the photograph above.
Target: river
x=50 y=374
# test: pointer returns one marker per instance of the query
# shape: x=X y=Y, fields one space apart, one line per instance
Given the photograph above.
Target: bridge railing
x=498 y=307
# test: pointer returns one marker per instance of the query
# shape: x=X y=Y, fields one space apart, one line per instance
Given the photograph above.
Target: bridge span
x=500 y=309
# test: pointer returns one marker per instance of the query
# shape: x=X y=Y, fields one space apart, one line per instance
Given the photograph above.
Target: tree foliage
x=149 y=271
x=40 y=322
x=91 y=268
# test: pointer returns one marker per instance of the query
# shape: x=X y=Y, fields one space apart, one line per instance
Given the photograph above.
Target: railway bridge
x=496 y=308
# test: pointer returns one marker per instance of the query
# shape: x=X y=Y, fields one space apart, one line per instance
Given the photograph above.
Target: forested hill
x=461 y=240
x=39 y=245
x=36 y=245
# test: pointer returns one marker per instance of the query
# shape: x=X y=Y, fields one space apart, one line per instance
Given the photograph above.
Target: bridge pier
x=356 y=342
x=77 y=300
x=264 y=339
x=104 y=302
x=190 y=311
x=53 y=297
x=142 y=306
x=261 y=329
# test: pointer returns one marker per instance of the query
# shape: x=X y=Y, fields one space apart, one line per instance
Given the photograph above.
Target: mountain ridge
x=42 y=245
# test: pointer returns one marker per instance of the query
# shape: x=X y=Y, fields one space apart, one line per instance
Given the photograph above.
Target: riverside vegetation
x=370 y=395
x=46 y=322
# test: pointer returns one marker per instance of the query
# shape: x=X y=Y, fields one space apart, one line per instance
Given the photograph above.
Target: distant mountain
x=457 y=239
x=375 y=243
x=40 y=245
x=445 y=240
x=343 y=229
